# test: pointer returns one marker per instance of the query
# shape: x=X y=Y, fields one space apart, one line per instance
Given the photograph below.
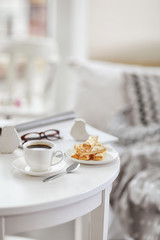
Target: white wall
x=125 y=31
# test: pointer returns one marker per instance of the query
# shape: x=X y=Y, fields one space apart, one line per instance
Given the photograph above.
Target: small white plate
x=111 y=154
x=20 y=165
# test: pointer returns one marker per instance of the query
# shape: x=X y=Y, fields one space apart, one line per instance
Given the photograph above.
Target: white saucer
x=20 y=165
x=111 y=155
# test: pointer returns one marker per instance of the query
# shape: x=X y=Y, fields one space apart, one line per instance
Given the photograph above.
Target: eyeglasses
x=51 y=135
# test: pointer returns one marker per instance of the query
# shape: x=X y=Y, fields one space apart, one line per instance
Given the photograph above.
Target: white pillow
x=99 y=92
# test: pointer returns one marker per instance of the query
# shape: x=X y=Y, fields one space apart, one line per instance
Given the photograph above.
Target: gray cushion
x=143 y=94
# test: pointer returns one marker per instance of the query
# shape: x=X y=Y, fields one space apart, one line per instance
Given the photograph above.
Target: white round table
x=27 y=203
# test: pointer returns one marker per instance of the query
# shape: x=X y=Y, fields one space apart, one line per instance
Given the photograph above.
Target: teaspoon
x=70 y=169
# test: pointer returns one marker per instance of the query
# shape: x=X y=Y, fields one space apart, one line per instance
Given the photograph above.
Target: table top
x=20 y=193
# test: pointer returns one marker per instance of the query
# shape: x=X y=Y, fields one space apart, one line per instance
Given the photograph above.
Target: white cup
x=40 y=155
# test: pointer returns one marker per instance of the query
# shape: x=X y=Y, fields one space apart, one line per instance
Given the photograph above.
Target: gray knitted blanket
x=129 y=134
x=136 y=192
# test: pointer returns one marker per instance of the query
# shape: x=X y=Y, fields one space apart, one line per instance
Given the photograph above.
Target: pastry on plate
x=89 y=150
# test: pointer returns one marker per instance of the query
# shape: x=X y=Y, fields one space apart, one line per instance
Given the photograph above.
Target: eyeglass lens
x=52 y=134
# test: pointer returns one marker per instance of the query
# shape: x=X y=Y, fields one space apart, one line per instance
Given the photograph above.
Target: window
x=23 y=17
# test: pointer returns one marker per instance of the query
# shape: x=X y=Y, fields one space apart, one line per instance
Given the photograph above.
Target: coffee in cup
x=39 y=146
x=40 y=155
